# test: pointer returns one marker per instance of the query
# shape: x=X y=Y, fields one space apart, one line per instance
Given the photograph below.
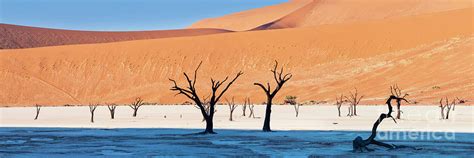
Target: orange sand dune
x=429 y=56
x=321 y=12
x=318 y=12
x=250 y=19
x=14 y=36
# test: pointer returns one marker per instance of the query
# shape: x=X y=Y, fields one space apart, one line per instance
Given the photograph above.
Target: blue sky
x=119 y=15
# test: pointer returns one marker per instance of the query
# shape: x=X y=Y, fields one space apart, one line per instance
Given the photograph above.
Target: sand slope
x=250 y=19
x=420 y=53
x=319 y=12
x=14 y=36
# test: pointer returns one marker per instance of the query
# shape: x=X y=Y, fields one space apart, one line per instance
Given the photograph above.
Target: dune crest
x=250 y=19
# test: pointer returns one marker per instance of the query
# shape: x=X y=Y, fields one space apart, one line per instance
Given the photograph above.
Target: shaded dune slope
x=250 y=19
x=15 y=36
x=419 y=53
x=307 y=13
x=321 y=12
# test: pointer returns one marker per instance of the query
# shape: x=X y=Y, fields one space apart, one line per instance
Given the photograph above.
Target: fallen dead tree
x=358 y=144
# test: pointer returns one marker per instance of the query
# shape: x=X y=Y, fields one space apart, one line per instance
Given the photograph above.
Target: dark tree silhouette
x=398 y=93
x=354 y=100
x=112 y=110
x=339 y=102
x=232 y=107
x=191 y=93
x=136 y=105
x=38 y=108
x=358 y=144
x=280 y=79
x=92 y=108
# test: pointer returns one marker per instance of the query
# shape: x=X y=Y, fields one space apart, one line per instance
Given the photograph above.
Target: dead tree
x=112 y=110
x=190 y=92
x=442 y=107
x=446 y=106
x=297 y=108
x=339 y=102
x=251 y=106
x=205 y=103
x=280 y=79
x=232 y=107
x=358 y=144
x=135 y=105
x=244 y=107
x=453 y=104
x=354 y=100
x=397 y=92
x=38 y=108
x=92 y=108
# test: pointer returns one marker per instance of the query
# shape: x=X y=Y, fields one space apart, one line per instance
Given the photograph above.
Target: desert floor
x=168 y=131
x=320 y=117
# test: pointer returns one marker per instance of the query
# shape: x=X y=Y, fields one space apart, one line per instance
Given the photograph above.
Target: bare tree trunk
x=92 y=110
x=442 y=112
x=339 y=102
x=92 y=117
x=244 y=107
x=135 y=112
x=447 y=113
x=268 y=111
x=209 y=127
x=38 y=108
x=355 y=110
x=232 y=107
x=252 y=114
x=112 y=114
x=350 y=113
x=297 y=109
x=111 y=108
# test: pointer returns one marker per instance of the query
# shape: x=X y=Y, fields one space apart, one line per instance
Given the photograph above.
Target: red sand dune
x=14 y=36
x=250 y=19
x=430 y=56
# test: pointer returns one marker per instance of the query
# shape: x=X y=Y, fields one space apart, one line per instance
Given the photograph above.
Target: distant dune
x=14 y=36
x=304 y=13
x=250 y=19
x=430 y=56
x=321 y=12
